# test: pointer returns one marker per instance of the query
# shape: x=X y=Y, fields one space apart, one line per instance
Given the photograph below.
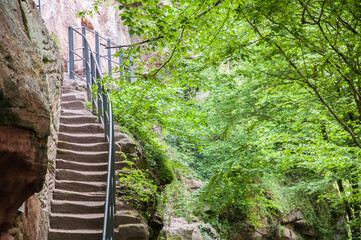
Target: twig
x=219 y=30
x=171 y=56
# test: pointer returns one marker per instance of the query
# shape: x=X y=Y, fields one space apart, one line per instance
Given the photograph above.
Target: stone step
x=76 y=104
x=77 y=207
x=78 y=234
x=89 y=157
x=76 y=221
x=91 y=147
x=68 y=89
x=82 y=137
x=61 y=174
x=78 y=119
x=64 y=164
x=79 y=166
x=77 y=186
x=68 y=97
x=76 y=196
x=76 y=112
x=72 y=97
x=81 y=128
x=126 y=217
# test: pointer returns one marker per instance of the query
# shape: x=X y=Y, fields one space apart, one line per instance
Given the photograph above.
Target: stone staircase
x=78 y=198
x=77 y=207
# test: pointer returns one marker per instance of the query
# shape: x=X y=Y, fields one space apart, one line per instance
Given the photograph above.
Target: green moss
x=164 y=171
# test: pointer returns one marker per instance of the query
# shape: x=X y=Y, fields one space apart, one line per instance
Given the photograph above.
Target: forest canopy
x=253 y=93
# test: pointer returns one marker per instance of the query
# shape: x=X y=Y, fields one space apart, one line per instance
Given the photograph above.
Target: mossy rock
x=164 y=172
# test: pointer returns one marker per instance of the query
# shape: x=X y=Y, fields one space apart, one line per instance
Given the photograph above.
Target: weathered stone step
x=76 y=104
x=82 y=137
x=126 y=217
x=76 y=112
x=81 y=128
x=87 y=234
x=72 y=96
x=79 y=166
x=90 y=157
x=77 y=207
x=91 y=147
x=62 y=174
x=68 y=89
x=76 y=196
x=71 y=165
x=77 y=186
x=78 y=119
x=76 y=221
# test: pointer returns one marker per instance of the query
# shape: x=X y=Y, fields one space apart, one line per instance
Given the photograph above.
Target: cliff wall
x=30 y=80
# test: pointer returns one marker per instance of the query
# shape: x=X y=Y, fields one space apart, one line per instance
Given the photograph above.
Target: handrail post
x=121 y=67
x=106 y=114
x=100 y=107
x=71 y=53
x=131 y=70
x=86 y=59
x=109 y=58
x=92 y=80
x=83 y=30
x=97 y=49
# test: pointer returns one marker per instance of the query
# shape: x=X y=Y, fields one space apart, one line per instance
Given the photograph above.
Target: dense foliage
x=284 y=105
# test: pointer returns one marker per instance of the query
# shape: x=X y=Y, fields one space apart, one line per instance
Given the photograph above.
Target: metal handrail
x=103 y=106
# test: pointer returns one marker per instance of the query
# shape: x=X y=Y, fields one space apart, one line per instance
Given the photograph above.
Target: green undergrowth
x=270 y=206
x=137 y=188
x=178 y=200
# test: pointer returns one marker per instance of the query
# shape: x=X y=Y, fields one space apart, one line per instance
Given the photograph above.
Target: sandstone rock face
x=30 y=80
x=179 y=228
x=60 y=14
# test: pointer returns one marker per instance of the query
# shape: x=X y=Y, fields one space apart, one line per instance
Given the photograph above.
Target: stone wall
x=30 y=82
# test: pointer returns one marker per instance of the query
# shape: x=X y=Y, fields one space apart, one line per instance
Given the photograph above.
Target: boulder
x=179 y=228
x=30 y=80
x=132 y=232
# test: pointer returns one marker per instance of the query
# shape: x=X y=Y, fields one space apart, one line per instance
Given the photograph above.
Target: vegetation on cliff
x=261 y=98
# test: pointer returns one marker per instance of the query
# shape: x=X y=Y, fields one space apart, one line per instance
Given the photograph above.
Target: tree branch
x=161 y=37
x=219 y=30
x=314 y=88
x=261 y=114
x=171 y=56
x=208 y=10
x=136 y=44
